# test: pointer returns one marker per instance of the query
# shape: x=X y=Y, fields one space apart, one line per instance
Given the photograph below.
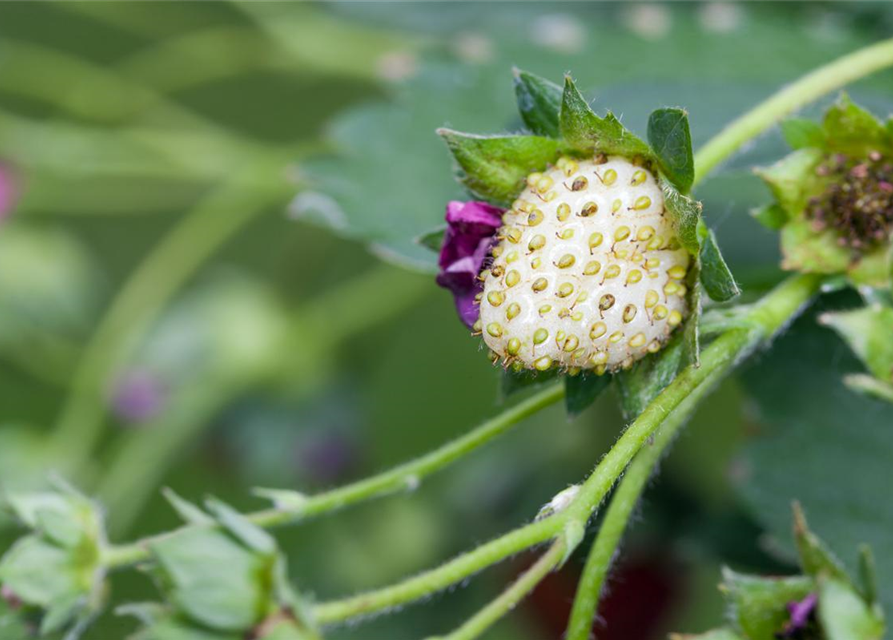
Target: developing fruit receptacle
x=598 y=279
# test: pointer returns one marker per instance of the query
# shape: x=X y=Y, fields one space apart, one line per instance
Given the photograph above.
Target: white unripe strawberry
x=588 y=272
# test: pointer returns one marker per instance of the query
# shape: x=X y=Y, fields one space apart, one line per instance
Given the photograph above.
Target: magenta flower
x=471 y=227
x=139 y=396
x=8 y=191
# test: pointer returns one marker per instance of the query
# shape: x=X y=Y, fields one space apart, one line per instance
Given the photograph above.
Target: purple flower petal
x=471 y=227
x=802 y=613
x=139 y=396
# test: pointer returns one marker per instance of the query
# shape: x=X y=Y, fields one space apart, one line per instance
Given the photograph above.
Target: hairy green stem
x=768 y=316
x=216 y=219
x=623 y=501
x=480 y=622
x=400 y=478
x=810 y=87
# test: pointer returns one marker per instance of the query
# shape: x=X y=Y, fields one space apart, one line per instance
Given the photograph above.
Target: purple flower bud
x=802 y=614
x=471 y=227
x=139 y=396
x=10 y=597
x=9 y=192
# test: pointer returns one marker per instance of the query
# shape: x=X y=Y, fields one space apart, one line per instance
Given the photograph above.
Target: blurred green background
x=210 y=282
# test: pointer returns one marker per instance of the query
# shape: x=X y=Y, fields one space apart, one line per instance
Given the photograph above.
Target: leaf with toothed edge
x=670 y=139
x=758 y=605
x=495 y=167
x=801 y=133
x=844 y=615
x=816 y=559
x=585 y=131
x=539 y=102
x=582 y=390
x=716 y=277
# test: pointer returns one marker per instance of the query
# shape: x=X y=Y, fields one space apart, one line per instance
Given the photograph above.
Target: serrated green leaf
x=670 y=139
x=185 y=509
x=684 y=214
x=793 y=180
x=759 y=604
x=871 y=269
x=587 y=132
x=717 y=278
x=801 y=406
x=539 y=102
x=772 y=216
x=495 y=167
x=801 y=133
x=39 y=572
x=432 y=240
x=844 y=615
x=853 y=130
x=869 y=333
x=582 y=390
x=816 y=559
x=640 y=385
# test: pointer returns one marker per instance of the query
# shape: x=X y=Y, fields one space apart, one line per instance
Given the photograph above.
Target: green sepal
x=190 y=513
x=684 y=213
x=691 y=330
x=801 y=133
x=717 y=278
x=758 y=605
x=868 y=574
x=869 y=333
x=670 y=140
x=432 y=240
x=808 y=251
x=212 y=579
x=771 y=216
x=511 y=381
x=582 y=390
x=243 y=529
x=844 y=615
x=869 y=386
x=641 y=384
x=495 y=167
x=793 y=180
x=589 y=133
x=816 y=559
x=539 y=102
x=852 y=130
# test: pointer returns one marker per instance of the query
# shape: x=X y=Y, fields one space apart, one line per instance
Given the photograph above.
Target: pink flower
x=471 y=227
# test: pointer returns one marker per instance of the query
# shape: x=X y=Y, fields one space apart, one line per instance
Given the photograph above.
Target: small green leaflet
x=758 y=605
x=685 y=214
x=495 y=167
x=432 y=240
x=869 y=333
x=670 y=139
x=844 y=615
x=539 y=102
x=801 y=133
x=716 y=277
x=648 y=377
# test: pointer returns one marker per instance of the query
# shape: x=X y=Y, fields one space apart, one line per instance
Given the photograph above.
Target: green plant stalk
x=144 y=457
x=216 y=219
x=623 y=501
x=768 y=317
x=810 y=87
x=480 y=622
x=403 y=477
